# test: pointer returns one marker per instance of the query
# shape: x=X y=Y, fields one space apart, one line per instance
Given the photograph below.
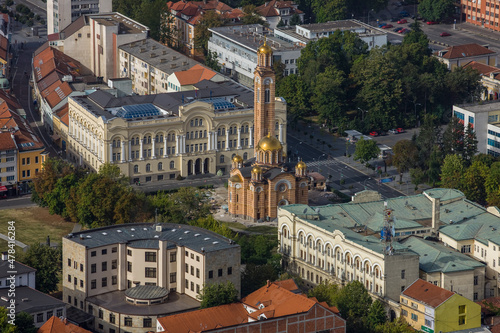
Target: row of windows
x=39 y=316
x=196 y=122
x=25 y=161
x=127 y=321
x=8 y=178
x=493 y=143
x=148 y=167
x=7 y=159
x=219 y=272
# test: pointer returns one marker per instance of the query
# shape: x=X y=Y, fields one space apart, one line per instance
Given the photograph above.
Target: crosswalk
x=322 y=163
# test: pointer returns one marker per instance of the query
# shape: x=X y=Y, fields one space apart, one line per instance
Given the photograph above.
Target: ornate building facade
x=258 y=186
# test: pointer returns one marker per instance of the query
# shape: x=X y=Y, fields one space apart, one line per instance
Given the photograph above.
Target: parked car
x=398 y=29
x=406 y=31
x=400 y=130
x=432 y=22
x=380 y=25
x=373 y=133
x=444 y=34
x=404 y=13
x=402 y=31
x=393 y=131
x=387 y=26
x=402 y=21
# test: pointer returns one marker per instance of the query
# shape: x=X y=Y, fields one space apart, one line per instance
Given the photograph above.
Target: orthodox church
x=258 y=186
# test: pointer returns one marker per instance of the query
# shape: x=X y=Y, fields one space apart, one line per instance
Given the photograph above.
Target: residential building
x=272 y=308
x=60 y=120
x=8 y=160
x=60 y=13
x=490 y=79
x=94 y=40
x=448 y=268
x=25 y=275
x=187 y=14
x=149 y=64
x=460 y=55
x=429 y=308
x=236 y=48
x=5 y=56
x=484 y=119
x=59 y=325
x=5 y=27
x=304 y=33
x=129 y=275
x=39 y=305
x=481 y=13
x=258 y=187
x=275 y=11
x=186 y=80
x=163 y=136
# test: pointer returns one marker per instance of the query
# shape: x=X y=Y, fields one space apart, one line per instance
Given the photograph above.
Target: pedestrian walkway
x=18 y=243
x=479 y=31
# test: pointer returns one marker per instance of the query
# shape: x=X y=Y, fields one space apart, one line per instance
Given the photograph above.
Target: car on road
x=387 y=26
x=402 y=21
x=404 y=13
x=393 y=131
x=432 y=22
x=373 y=133
x=380 y=25
x=400 y=130
x=404 y=31
x=398 y=29
x=444 y=34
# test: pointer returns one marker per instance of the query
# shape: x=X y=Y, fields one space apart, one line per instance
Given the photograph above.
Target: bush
x=9 y=2
x=30 y=23
x=179 y=177
x=37 y=17
x=42 y=22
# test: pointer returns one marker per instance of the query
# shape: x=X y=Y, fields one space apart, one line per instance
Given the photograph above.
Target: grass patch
x=263 y=229
x=235 y=225
x=33 y=225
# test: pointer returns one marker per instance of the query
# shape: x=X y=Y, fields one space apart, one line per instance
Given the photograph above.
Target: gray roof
x=342 y=25
x=100 y=103
x=30 y=300
x=19 y=268
x=435 y=257
x=485 y=106
x=195 y=238
x=158 y=55
x=143 y=292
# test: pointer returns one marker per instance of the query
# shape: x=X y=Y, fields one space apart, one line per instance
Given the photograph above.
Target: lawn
x=260 y=229
x=33 y=224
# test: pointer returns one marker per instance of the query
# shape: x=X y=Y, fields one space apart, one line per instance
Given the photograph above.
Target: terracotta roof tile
x=63 y=114
x=427 y=293
x=56 y=325
x=465 y=50
x=60 y=92
x=484 y=69
x=195 y=74
x=7 y=141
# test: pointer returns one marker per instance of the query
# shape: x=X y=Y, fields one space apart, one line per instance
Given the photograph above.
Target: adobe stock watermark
x=11 y=280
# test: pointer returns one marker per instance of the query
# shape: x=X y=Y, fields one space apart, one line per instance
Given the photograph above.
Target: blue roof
x=219 y=103
x=138 y=111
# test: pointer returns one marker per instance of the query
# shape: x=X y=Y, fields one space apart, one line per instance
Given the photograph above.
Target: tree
x=211 y=61
x=295 y=19
x=209 y=223
x=46 y=180
x=453 y=137
x=473 y=182
x=405 y=155
x=354 y=304
x=376 y=315
x=168 y=30
x=210 y=19
x=463 y=85
x=417 y=176
x=366 y=150
x=397 y=326
x=251 y=16
x=452 y=171
x=329 y=96
x=325 y=292
x=297 y=95
x=149 y=13
x=25 y=323
x=256 y=276
x=5 y=326
x=48 y=264
x=428 y=137
x=332 y=10
x=434 y=164
x=436 y=10
x=470 y=144
x=217 y=294
x=492 y=185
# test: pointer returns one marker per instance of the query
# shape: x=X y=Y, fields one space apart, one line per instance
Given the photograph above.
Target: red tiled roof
x=63 y=114
x=464 y=51
x=483 y=69
x=270 y=8
x=7 y=141
x=427 y=293
x=195 y=9
x=56 y=325
x=194 y=75
x=60 y=92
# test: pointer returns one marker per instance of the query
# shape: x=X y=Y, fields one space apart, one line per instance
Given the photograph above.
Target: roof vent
x=187 y=232
x=89 y=236
x=132 y=229
x=81 y=236
x=180 y=238
x=158 y=228
x=206 y=238
x=118 y=231
x=104 y=233
x=215 y=243
x=196 y=235
x=156 y=236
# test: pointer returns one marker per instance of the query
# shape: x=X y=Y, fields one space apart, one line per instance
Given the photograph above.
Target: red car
x=400 y=130
x=445 y=34
x=432 y=22
x=403 y=31
x=374 y=133
x=402 y=21
x=387 y=26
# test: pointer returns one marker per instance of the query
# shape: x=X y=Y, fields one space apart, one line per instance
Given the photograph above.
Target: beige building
x=129 y=275
x=60 y=13
x=94 y=40
x=156 y=137
x=460 y=55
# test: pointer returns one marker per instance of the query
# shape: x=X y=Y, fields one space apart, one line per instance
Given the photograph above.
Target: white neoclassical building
x=157 y=137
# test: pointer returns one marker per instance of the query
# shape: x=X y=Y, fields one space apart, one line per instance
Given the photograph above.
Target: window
x=221 y=159
x=210 y=274
x=129 y=266
x=192 y=270
x=428 y=323
x=147 y=322
x=104 y=266
x=81 y=283
x=403 y=273
x=160 y=165
x=150 y=256
x=114 y=249
x=198 y=258
x=93 y=253
x=104 y=252
x=136 y=168
x=461 y=320
x=150 y=272
x=187 y=268
x=475 y=296
x=173 y=277
x=192 y=286
x=172 y=165
x=112 y=318
x=104 y=282
x=173 y=256
x=59 y=312
x=39 y=317
x=114 y=280
x=128 y=321
x=101 y=314
x=148 y=166
x=414 y=317
x=93 y=268
x=81 y=267
x=69 y=278
x=229 y=270
x=69 y=262
x=198 y=273
x=114 y=264
x=219 y=272
x=93 y=284
x=476 y=280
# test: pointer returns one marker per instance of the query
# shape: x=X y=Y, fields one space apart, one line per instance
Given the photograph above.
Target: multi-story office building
x=129 y=275
x=481 y=13
x=304 y=33
x=236 y=48
x=60 y=13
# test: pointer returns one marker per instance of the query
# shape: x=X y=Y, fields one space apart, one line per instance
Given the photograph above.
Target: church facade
x=257 y=187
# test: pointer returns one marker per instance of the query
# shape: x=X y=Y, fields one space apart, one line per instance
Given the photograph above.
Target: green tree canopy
x=5 y=326
x=366 y=150
x=405 y=156
x=453 y=137
x=376 y=315
x=452 y=171
x=48 y=264
x=473 y=182
x=436 y=10
x=25 y=323
x=217 y=294
x=210 y=19
x=354 y=304
x=470 y=143
x=492 y=185
x=251 y=16
x=325 y=292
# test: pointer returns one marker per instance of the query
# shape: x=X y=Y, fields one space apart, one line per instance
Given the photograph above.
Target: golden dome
x=235 y=179
x=264 y=48
x=237 y=158
x=256 y=169
x=269 y=143
x=301 y=165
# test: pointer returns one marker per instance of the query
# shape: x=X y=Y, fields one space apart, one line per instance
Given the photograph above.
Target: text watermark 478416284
x=12 y=271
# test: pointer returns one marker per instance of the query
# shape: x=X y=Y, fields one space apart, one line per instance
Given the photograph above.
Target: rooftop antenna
x=387 y=232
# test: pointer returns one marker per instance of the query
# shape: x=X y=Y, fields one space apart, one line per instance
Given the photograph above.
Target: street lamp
x=415 y=104
x=362 y=114
x=364 y=183
x=368 y=18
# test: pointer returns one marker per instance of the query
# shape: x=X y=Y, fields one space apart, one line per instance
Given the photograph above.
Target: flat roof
x=197 y=239
x=19 y=268
x=115 y=301
x=485 y=106
x=126 y=24
x=252 y=36
x=30 y=300
x=341 y=25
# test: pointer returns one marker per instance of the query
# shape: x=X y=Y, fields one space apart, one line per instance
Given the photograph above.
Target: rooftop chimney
x=436 y=203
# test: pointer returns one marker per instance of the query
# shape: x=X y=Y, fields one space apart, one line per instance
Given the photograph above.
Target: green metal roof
x=435 y=257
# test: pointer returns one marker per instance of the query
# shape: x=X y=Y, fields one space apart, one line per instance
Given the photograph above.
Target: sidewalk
x=480 y=31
